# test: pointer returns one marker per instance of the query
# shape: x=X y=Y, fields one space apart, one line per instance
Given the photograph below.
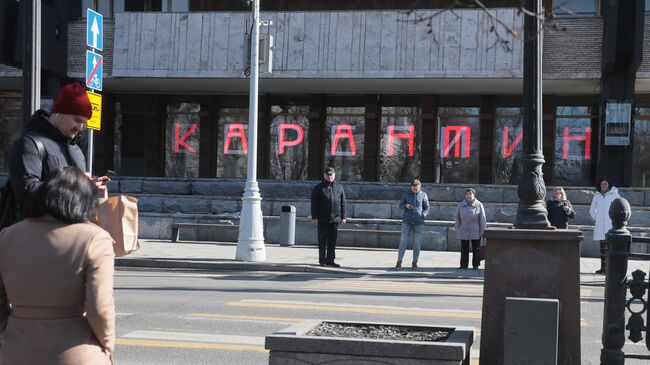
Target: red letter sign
x=343 y=131
x=180 y=141
x=567 y=138
x=507 y=151
x=235 y=130
x=460 y=132
x=392 y=136
x=284 y=143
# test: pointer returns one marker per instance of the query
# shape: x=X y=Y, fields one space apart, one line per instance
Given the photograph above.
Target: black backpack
x=8 y=204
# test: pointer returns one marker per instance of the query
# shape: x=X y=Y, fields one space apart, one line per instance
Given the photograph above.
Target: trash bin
x=288 y=225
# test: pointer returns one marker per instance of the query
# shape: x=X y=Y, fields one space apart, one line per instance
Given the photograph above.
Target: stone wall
x=350 y=44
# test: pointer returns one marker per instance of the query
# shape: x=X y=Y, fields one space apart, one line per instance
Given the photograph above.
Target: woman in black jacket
x=559 y=209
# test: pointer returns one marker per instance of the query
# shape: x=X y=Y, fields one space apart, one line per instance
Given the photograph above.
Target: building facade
x=381 y=90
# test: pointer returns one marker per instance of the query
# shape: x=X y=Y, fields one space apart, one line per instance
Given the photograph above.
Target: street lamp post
x=531 y=212
x=250 y=244
x=31 y=58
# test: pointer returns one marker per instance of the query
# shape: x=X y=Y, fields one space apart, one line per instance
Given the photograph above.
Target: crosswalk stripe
x=410 y=287
x=188 y=345
x=246 y=318
x=410 y=312
x=195 y=337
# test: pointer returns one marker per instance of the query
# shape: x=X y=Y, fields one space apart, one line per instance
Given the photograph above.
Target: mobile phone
x=109 y=173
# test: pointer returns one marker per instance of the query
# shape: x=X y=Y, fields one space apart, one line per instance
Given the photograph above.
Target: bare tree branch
x=504 y=33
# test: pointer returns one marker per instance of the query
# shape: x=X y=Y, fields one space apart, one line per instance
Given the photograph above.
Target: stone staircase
x=371 y=207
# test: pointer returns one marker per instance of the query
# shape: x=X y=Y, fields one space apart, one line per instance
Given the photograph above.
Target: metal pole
x=31 y=58
x=89 y=160
x=250 y=244
x=531 y=212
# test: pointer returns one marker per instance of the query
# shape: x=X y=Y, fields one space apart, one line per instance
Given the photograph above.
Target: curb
x=227 y=266
x=162 y=264
x=157 y=263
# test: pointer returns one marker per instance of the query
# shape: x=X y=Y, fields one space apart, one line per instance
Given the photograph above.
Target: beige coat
x=58 y=279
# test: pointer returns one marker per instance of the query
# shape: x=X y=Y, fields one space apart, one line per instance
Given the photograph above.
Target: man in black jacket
x=328 y=210
x=49 y=142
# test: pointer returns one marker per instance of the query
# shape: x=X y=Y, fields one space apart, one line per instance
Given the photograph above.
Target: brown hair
x=415 y=182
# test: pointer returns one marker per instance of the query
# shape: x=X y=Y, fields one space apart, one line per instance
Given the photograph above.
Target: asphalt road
x=222 y=318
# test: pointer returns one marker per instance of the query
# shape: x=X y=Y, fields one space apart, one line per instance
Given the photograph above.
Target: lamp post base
x=250 y=244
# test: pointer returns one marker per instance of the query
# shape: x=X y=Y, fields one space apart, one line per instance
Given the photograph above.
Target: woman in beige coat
x=56 y=279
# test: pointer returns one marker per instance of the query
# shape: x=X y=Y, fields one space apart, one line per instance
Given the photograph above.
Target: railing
x=617 y=283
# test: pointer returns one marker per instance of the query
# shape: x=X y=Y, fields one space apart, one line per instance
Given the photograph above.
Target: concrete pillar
x=533 y=264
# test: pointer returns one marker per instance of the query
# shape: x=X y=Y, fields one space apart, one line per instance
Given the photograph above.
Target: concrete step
x=370 y=191
x=356 y=208
x=438 y=235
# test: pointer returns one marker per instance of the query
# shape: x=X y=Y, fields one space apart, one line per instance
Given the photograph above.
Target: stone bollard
x=619 y=240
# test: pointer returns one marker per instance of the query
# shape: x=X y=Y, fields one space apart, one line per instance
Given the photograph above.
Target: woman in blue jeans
x=415 y=204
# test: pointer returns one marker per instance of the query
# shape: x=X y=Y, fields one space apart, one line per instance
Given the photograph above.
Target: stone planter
x=294 y=346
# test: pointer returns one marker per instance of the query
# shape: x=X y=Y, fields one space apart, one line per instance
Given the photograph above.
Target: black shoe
x=600 y=272
x=475 y=268
x=414 y=266
x=333 y=264
x=322 y=264
x=462 y=268
x=398 y=265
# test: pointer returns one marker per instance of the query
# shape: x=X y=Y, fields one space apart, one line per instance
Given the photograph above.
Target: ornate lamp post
x=531 y=212
x=250 y=244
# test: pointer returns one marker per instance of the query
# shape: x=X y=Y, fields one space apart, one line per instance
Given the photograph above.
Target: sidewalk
x=158 y=254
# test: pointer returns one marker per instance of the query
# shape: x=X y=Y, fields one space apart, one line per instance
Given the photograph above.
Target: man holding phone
x=50 y=142
x=415 y=204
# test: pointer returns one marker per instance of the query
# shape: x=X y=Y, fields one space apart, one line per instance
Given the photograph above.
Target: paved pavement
x=160 y=254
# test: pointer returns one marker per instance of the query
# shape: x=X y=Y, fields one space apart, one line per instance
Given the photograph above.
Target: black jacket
x=27 y=168
x=328 y=202
x=556 y=214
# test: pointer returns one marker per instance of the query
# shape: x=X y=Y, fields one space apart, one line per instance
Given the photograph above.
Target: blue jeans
x=410 y=232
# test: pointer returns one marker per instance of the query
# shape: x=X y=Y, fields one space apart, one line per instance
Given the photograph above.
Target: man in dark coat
x=57 y=133
x=328 y=210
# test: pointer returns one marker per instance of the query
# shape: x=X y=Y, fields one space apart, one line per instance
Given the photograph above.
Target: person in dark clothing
x=559 y=209
x=328 y=210
x=57 y=133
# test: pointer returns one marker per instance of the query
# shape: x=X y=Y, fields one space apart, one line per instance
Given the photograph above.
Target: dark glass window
x=401 y=137
x=142 y=5
x=459 y=144
x=232 y=148
x=182 y=150
x=137 y=138
x=345 y=128
x=11 y=127
x=508 y=135
x=573 y=165
x=289 y=142
x=569 y=8
x=641 y=142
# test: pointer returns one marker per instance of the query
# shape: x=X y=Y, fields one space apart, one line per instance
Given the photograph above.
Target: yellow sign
x=96 y=121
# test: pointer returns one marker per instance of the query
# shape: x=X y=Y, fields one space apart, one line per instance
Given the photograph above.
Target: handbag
x=480 y=253
x=118 y=215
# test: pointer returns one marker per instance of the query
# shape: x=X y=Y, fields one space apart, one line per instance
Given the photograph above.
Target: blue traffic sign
x=94 y=30
x=94 y=70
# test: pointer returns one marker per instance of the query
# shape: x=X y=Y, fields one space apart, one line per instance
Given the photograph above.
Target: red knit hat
x=72 y=99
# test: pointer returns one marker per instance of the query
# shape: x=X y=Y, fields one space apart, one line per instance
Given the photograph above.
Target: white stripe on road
x=345 y=305
x=195 y=337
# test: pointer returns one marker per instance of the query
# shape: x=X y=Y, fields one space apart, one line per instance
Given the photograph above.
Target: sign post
x=94 y=76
